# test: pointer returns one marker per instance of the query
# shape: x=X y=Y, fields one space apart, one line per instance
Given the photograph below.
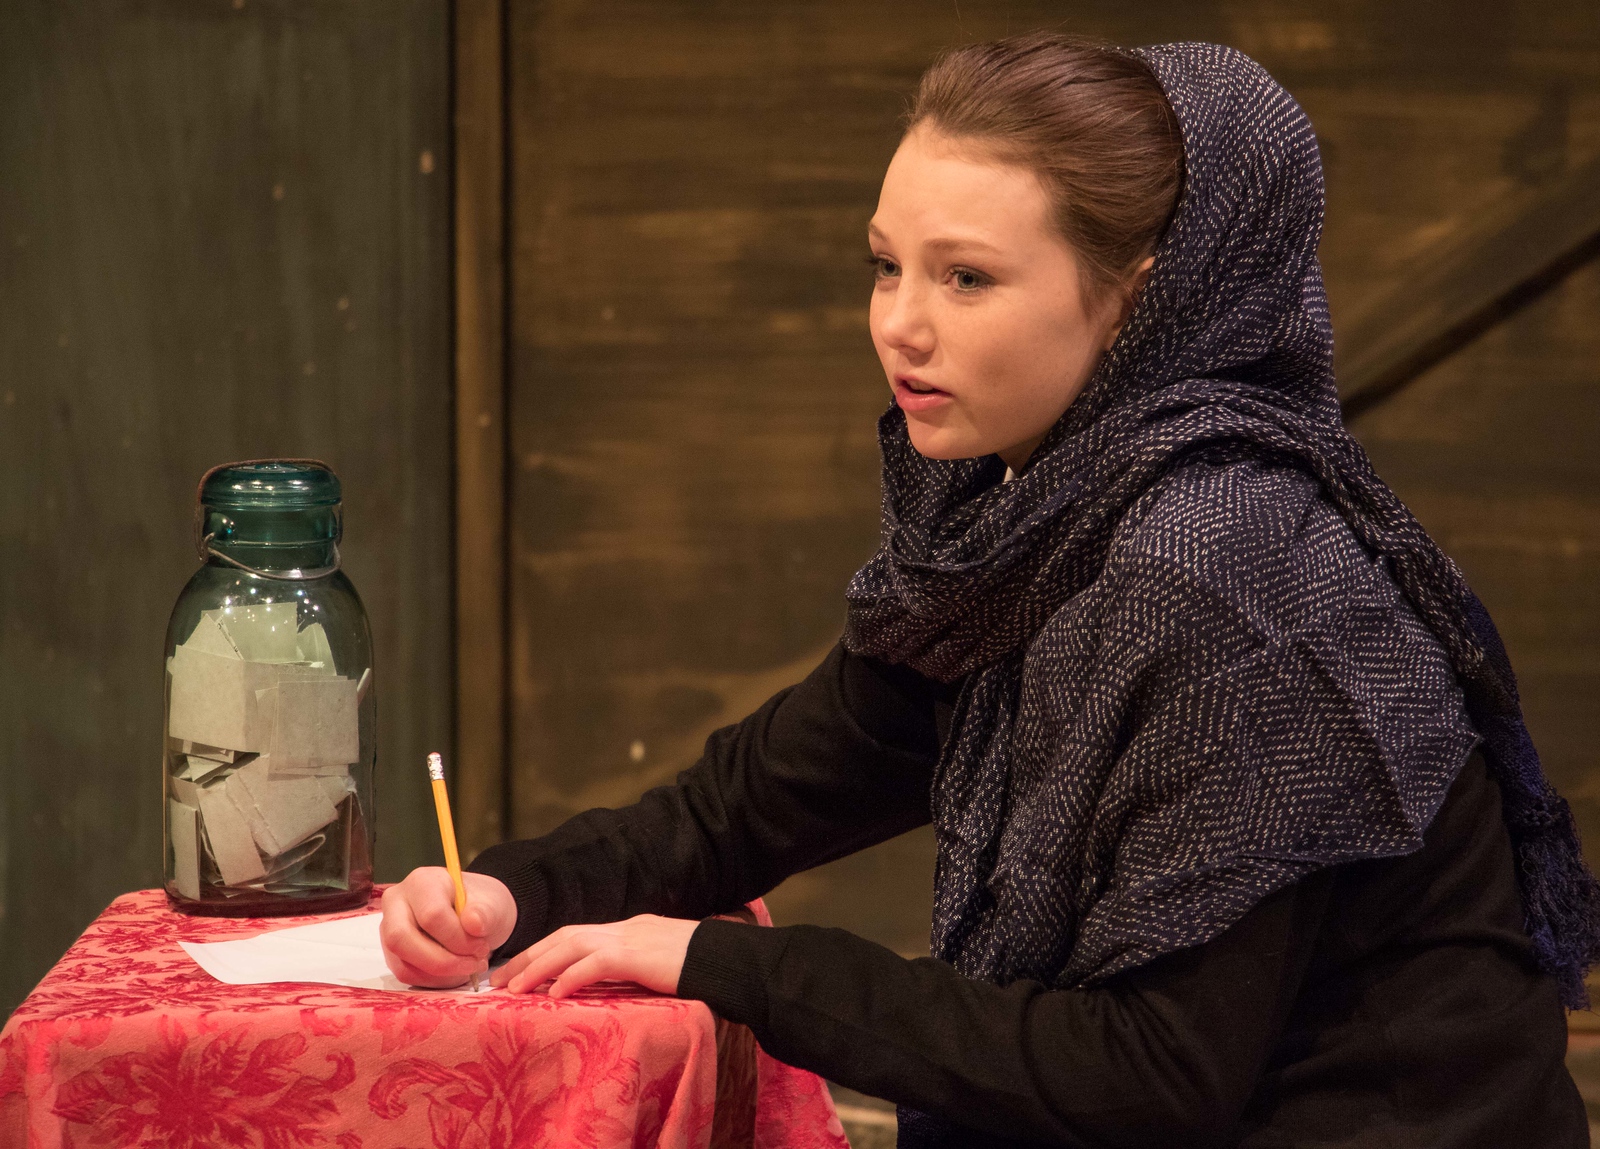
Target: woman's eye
x=966 y=279
x=883 y=267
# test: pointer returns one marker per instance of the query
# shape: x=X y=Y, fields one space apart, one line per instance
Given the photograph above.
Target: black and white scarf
x=1206 y=650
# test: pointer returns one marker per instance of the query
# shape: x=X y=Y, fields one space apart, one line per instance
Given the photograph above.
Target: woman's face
x=978 y=312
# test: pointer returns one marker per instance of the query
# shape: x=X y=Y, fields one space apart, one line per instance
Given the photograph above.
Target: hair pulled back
x=1089 y=119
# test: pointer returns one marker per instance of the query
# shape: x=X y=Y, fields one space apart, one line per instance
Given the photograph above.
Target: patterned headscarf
x=1205 y=650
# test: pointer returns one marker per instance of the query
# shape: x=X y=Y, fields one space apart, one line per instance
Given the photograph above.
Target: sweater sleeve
x=1166 y=1054
x=839 y=762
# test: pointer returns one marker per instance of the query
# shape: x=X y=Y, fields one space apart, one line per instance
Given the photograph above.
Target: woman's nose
x=904 y=323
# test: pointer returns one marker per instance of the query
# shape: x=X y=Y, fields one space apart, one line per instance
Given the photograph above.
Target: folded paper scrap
x=268 y=730
x=343 y=951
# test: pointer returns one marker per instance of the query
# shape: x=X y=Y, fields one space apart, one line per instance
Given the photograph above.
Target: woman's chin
x=942 y=443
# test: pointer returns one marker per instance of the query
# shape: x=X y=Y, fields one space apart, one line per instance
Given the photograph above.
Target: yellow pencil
x=447 y=834
x=447 y=828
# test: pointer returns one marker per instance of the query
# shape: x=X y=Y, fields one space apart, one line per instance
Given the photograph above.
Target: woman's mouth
x=913 y=396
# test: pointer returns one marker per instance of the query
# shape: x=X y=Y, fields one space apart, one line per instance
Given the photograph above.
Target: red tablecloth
x=127 y=1042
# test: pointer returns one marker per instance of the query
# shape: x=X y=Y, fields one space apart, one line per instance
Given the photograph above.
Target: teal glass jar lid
x=277 y=518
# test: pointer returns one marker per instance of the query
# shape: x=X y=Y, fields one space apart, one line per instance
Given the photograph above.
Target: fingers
x=647 y=950
x=409 y=951
x=504 y=974
x=412 y=954
x=596 y=967
x=433 y=906
x=545 y=959
x=411 y=975
x=491 y=911
x=538 y=955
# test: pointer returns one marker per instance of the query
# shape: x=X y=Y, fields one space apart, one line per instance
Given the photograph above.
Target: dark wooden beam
x=1456 y=294
x=480 y=773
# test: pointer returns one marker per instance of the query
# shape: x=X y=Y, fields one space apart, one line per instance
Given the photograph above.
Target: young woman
x=1242 y=840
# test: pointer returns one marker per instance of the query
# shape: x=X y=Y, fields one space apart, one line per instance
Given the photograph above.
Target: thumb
x=475 y=919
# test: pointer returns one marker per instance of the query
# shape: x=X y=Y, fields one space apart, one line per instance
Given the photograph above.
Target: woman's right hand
x=426 y=944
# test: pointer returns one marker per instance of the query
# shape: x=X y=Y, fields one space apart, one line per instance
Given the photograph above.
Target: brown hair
x=1090 y=120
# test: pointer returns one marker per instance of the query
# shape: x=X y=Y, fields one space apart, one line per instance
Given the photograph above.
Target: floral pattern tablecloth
x=127 y=1042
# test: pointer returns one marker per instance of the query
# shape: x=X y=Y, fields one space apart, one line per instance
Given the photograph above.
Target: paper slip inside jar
x=312 y=721
x=202 y=769
x=214 y=700
x=281 y=812
x=228 y=834
x=245 y=681
x=269 y=730
x=184 y=831
x=265 y=633
x=255 y=823
x=216 y=754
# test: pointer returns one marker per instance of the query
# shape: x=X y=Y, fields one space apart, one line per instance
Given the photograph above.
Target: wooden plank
x=1464 y=287
x=480 y=770
x=224 y=233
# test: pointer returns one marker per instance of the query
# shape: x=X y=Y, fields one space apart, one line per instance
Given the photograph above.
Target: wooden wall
x=693 y=468
x=224 y=233
x=1495 y=449
x=1498 y=453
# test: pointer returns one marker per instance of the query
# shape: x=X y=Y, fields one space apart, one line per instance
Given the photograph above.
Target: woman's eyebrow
x=943 y=243
x=957 y=243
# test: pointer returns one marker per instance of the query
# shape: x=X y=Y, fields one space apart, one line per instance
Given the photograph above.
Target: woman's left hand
x=646 y=949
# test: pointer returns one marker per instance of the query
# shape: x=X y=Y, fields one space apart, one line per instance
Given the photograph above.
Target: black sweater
x=1384 y=1003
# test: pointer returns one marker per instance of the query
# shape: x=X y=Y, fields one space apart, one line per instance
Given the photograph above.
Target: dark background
x=225 y=232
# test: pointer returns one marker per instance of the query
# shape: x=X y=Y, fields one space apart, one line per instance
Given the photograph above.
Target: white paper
x=345 y=951
x=299 y=670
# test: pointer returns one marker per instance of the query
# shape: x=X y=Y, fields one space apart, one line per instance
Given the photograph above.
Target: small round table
x=126 y=1041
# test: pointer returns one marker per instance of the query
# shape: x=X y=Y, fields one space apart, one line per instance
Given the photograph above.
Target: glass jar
x=270 y=709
